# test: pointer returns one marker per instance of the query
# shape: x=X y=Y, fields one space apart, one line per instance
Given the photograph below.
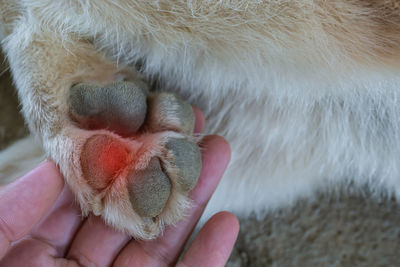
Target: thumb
x=24 y=202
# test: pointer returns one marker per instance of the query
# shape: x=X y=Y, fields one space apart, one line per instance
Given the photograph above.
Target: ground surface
x=11 y=122
x=349 y=228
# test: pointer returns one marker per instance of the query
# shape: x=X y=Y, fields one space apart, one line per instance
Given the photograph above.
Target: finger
x=49 y=239
x=60 y=224
x=199 y=120
x=213 y=244
x=167 y=248
x=24 y=202
x=96 y=244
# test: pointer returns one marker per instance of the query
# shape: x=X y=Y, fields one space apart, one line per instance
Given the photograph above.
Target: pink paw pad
x=102 y=159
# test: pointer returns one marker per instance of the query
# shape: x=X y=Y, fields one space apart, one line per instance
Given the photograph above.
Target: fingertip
x=25 y=201
x=200 y=121
x=215 y=158
x=45 y=170
x=231 y=225
x=215 y=144
x=229 y=219
x=226 y=224
x=214 y=243
x=45 y=177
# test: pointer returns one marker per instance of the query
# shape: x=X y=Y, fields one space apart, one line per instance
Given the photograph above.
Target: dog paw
x=137 y=159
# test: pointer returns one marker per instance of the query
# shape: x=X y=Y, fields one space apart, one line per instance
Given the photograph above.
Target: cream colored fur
x=306 y=92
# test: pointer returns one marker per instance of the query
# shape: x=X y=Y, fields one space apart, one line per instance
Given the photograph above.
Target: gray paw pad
x=120 y=107
x=149 y=189
x=169 y=112
x=186 y=157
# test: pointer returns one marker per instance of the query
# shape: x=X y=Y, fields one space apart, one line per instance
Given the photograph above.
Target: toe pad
x=149 y=189
x=186 y=158
x=102 y=158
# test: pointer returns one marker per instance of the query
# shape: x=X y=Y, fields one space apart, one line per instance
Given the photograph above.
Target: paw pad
x=149 y=189
x=102 y=158
x=186 y=158
x=170 y=113
x=120 y=107
x=158 y=124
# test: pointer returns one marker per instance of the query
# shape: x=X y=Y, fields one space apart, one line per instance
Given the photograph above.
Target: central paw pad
x=120 y=106
x=139 y=147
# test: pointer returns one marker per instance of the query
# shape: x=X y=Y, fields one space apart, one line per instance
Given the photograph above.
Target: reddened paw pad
x=102 y=159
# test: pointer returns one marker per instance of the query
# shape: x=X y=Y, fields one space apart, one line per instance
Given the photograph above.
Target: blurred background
x=11 y=121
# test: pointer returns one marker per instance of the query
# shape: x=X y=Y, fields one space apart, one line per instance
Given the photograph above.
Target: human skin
x=41 y=224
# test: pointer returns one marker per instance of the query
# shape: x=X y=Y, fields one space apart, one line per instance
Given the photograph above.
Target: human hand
x=41 y=226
